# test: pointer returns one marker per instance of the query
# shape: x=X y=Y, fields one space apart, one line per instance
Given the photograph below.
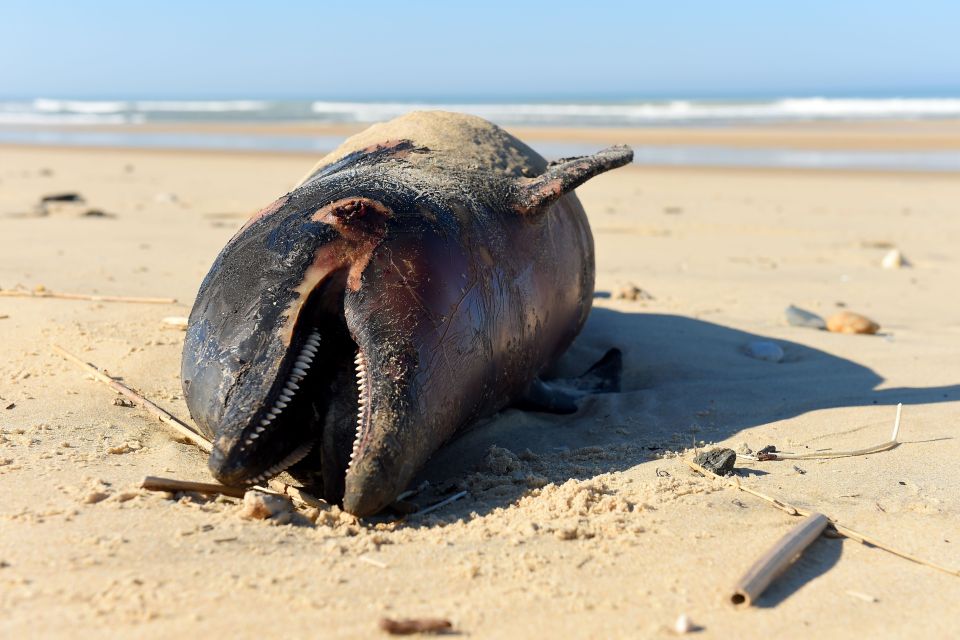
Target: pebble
x=798 y=317
x=849 y=322
x=894 y=260
x=719 y=461
x=683 y=624
x=764 y=350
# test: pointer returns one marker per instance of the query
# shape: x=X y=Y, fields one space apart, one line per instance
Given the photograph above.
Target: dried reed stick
x=43 y=293
x=154 y=483
x=840 y=529
x=892 y=443
x=441 y=504
x=294 y=493
x=167 y=418
x=775 y=561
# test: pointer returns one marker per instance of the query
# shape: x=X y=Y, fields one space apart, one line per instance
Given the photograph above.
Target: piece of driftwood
x=775 y=561
x=43 y=293
x=840 y=529
x=299 y=496
x=156 y=483
x=414 y=625
x=892 y=443
x=165 y=417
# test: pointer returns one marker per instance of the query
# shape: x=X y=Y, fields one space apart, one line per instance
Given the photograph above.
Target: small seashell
x=849 y=322
x=798 y=317
x=176 y=322
x=682 y=625
x=258 y=505
x=894 y=260
x=764 y=350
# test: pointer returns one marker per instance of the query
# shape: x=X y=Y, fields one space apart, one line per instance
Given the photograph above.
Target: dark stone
x=62 y=197
x=719 y=461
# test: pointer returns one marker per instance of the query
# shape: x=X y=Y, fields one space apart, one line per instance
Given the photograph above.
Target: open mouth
x=313 y=419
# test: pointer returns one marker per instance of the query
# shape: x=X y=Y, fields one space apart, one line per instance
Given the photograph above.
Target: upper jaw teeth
x=300 y=367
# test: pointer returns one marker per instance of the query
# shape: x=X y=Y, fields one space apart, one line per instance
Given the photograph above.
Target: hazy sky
x=488 y=49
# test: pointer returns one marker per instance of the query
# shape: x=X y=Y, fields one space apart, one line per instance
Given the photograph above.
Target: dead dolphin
x=419 y=278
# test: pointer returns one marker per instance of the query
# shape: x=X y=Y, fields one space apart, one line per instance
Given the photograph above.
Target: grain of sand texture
x=581 y=526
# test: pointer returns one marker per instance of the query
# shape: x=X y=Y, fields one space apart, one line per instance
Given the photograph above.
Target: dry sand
x=582 y=526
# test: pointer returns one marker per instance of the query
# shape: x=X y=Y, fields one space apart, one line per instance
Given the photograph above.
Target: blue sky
x=489 y=49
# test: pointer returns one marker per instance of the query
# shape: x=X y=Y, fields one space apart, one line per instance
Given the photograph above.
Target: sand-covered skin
x=578 y=526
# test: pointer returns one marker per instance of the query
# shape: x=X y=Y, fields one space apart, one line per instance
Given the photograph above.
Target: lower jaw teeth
x=296 y=456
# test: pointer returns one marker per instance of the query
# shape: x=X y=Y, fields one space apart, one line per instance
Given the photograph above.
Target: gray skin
x=419 y=278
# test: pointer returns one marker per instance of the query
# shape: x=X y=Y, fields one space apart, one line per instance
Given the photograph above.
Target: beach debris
x=866 y=597
x=176 y=322
x=166 y=197
x=894 y=260
x=770 y=451
x=849 y=322
x=67 y=196
x=373 y=562
x=10 y=406
x=764 y=350
x=97 y=213
x=441 y=504
x=258 y=505
x=409 y=626
x=777 y=559
x=835 y=530
x=798 y=317
x=633 y=293
x=295 y=494
x=172 y=485
x=42 y=292
x=682 y=625
x=120 y=401
x=4 y=316
x=718 y=461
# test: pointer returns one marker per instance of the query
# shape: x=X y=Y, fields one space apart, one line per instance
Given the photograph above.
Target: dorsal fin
x=565 y=175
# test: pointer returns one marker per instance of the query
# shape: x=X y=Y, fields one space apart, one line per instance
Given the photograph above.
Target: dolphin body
x=419 y=278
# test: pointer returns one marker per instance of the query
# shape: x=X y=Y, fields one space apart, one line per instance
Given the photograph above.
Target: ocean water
x=47 y=111
x=46 y=121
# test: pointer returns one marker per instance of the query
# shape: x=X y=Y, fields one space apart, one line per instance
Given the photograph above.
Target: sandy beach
x=580 y=526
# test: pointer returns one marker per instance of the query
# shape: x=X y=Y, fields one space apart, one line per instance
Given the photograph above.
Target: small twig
x=155 y=483
x=892 y=443
x=777 y=559
x=23 y=293
x=167 y=418
x=297 y=495
x=441 y=504
x=414 y=625
x=840 y=529
x=371 y=561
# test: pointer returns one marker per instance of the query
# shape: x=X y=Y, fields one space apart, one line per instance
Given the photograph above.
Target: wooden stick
x=155 y=483
x=847 y=532
x=777 y=559
x=167 y=418
x=415 y=625
x=23 y=293
x=892 y=443
x=297 y=495
x=441 y=504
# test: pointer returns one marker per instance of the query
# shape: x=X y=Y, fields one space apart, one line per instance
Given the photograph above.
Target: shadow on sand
x=683 y=379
